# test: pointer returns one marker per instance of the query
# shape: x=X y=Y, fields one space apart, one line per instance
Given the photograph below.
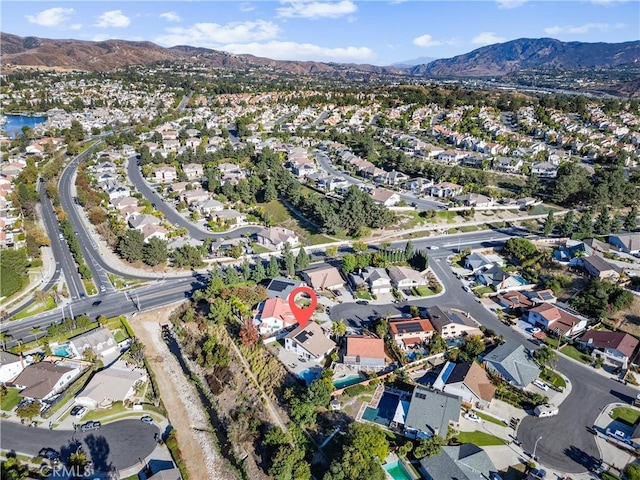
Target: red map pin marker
x=303 y=315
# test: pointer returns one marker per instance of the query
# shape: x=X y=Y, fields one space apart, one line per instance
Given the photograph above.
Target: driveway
x=116 y=445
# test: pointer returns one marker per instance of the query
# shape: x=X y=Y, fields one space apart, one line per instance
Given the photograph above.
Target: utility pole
x=535 y=446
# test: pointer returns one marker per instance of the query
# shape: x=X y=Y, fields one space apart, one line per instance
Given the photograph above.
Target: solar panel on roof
x=278 y=285
x=546 y=296
x=410 y=327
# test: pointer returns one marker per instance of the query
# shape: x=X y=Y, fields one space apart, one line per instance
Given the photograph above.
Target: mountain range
x=489 y=61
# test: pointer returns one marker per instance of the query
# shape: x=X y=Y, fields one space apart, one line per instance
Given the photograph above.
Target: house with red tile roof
x=409 y=333
x=558 y=319
x=274 y=315
x=615 y=348
x=365 y=352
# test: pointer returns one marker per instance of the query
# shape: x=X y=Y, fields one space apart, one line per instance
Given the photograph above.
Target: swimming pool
x=397 y=471
x=347 y=381
x=310 y=374
x=520 y=280
x=61 y=351
x=383 y=414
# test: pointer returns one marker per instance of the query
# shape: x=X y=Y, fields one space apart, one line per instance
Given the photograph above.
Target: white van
x=546 y=410
x=540 y=384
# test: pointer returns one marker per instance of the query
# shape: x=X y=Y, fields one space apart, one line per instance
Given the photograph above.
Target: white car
x=434 y=247
x=472 y=417
x=535 y=330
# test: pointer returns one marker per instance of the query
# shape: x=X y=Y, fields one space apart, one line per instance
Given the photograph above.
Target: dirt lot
x=180 y=398
x=628 y=320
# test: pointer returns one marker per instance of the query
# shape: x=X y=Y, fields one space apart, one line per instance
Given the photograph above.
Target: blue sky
x=379 y=32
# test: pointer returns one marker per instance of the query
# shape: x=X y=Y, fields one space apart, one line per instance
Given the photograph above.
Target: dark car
x=362 y=302
x=50 y=454
x=96 y=303
x=90 y=426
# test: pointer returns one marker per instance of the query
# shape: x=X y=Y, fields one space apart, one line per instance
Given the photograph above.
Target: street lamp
x=536 y=446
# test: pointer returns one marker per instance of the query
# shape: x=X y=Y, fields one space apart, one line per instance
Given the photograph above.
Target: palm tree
x=546 y=356
x=40 y=296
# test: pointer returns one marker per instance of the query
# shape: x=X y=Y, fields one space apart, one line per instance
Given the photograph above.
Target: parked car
x=546 y=410
x=362 y=302
x=540 y=384
x=472 y=417
x=434 y=247
x=467 y=288
x=90 y=426
x=147 y=419
x=78 y=411
x=50 y=454
x=618 y=435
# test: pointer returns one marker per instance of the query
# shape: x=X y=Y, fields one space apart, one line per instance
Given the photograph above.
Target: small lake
x=15 y=123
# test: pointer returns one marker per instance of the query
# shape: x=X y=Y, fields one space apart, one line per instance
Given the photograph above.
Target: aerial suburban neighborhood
x=221 y=266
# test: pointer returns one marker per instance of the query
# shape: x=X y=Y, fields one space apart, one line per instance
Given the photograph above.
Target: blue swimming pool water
x=310 y=374
x=384 y=412
x=61 y=351
x=455 y=342
x=397 y=471
x=348 y=381
x=520 y=280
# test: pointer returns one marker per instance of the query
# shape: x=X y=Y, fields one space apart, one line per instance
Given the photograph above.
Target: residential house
x=405 y=278
x=557 y=319
x=459 y=462
x=474 y=200
x=467 y=380
x=10 y=366
x=507 y=164
x=281 y=287
x=105 y=167
x=208 y=206
x=540 y=296
x=386 y=197
x=139 y=221
x=431 y=412
x=615 y=348
x=598 y=267
x=500 y=280
x=165 y=174
x=513 y=300
x=277 y=237
x=444 y=189
x=323 y=277
x=110 y=385
x=511 y=362
x=418 y=186
x=195 y=196
x=43 y=380
x=273 y=315
x=390 y=178
x=131 y=211
x=409 y=333
x=193 y=171
x=452 y=324
x=627 y=243
x=309 y=342
x=477 y=262
x=230 y=217
x=119 y=191
x=365 y=352
x=376 y=279
x=544 y=169
x=123 y=202
x=571 y=253
x=230 y=172
x=150 y=231
x=179 y=187
x=333 y=183
x=100 y=340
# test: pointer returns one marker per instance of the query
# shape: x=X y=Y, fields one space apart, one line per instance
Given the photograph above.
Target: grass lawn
x=481 y=439
x=485 y=290
x=540 y=210
x=422 y=291
x=490 y=418
x=571 y=351
x=257 y=249
x=628 y=415
x=608 y=476
x=276 y=211
x=317 y=238
x=468 y=228
x=552 y=342
x=36 y=308
x=363 y=294
x=10 y=399
x=447 y=215
x=89 y=287
x=553 y=378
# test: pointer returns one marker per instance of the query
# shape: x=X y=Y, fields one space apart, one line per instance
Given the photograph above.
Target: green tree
x=131 y=246
x=12 y=469
x=339 y=328
x=585 y=225
x=349 y=263
x=365 y=446
x=437 y=344
x=545 y=356
x=474 y=346
x=29 y=410
x=258 y=274
x=270 y=192
x=408 y=250
x=273 y=269
x=331 y=250
x=154 y=252
x=519 y=248
x=572 y=184
x=602 y=225
x=548 y=224
x=302 y=259
x=632 y=471
x=566 y=228
x=288 y=260
x=429 y=447
x=631 y=219
x=319 y=391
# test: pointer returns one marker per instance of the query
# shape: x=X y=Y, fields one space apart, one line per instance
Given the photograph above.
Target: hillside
x=527 y=53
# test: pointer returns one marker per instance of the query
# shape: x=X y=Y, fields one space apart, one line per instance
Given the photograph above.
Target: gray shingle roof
x=460 y=462
x=431 y=411
x=512 y=362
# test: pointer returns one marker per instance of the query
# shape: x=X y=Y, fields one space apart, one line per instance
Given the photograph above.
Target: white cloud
x=487 y=38
x=101 y=37
x=113 y=18
x=302 y=51
x=51 y=17
x=314 y=10
x=170 y=16
x=508 y=4
x=608 y=2
x=246 y=7
x=75 y=26
x=426 y=41
x=576 y=30
x=213 y=35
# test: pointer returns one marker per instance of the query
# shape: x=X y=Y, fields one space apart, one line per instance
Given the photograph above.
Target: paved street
x=117 y=445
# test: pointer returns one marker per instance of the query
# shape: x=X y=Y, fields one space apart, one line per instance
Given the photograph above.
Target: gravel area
x=181 y=400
